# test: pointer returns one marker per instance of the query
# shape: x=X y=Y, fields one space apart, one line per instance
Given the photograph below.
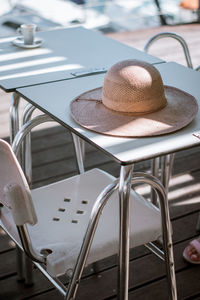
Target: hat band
x=138 y=113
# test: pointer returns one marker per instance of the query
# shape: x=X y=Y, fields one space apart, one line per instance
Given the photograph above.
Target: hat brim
x=89 y=111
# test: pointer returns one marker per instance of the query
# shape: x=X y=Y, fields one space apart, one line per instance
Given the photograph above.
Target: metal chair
x=162 y=167
x=58 y=225
x=24 y=268
x=167 y=161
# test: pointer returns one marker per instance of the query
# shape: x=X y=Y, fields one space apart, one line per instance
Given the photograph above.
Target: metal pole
x=14 y=116
x=19 y=263
x=167 y=164
x=79 y=146
x=176 y=37
x=155 y=172
x=88 y=238
x=166 y=229
x=26 y=145
x=124 y=240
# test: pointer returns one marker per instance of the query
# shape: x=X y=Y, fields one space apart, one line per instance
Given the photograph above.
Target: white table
x=54 y=99
x=64 y=54
x=64 y=51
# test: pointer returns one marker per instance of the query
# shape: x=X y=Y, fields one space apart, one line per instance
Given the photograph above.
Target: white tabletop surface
x=63 y=51
x=54 y=99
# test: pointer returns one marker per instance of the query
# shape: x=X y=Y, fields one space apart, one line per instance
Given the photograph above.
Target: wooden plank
x=5 y=244
x=142 y=271
x=184 y=229
x=187 y=284
x=19 y=291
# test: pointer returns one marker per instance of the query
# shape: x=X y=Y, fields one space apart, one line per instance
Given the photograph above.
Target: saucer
x=19 y=42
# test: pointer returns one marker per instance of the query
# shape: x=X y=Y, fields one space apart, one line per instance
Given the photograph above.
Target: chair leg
x=14 y=128
x=168 y=250
x=167 y=242
x=28 y=270
x=166 y=229
x=155 y=172
x=24 y=267
x=19 y=263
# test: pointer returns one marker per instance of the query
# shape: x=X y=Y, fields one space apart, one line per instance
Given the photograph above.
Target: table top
x=54 y=99
x=64 y=51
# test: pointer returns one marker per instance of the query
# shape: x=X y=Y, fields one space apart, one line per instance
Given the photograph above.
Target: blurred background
x=104 y=15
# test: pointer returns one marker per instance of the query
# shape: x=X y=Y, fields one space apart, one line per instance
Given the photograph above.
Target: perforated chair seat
x=63 y=211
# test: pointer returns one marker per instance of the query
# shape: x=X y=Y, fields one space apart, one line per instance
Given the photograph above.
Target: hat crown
x=133 y=86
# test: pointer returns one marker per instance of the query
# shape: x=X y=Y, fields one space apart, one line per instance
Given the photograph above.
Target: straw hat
x=134 y=103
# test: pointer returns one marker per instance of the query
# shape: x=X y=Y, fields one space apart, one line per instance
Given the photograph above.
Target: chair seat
x=63 y=209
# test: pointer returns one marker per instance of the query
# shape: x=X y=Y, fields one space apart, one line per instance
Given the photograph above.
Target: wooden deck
x=53 y=159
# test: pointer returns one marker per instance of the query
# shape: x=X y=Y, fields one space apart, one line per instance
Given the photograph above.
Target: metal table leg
x=79 y=146
x=124 y=193
x=166 y=169
x=14 y=128
x=26 y=145
x=14 y=116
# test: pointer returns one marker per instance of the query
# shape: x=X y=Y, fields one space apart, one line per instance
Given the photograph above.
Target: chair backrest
x=14 y=190
x=175 y=36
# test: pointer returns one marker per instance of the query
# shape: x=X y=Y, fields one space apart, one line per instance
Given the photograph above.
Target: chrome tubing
x=57 y=283
x=88 y=238
x=155 y=167
x=166 y=177
x=22 y=133
x=95 y=215
x=26 y=145
x=166 y=228
x=26 y=128
x=176 y=37
x=79 y=146
x=166 y=169
x=157 y=251
x=124 y=230
x=14 y=116
x=19 y=262
x=14 y=127
x=61 y=288
x=28 y=270
x=27 y=246
x=27 y=113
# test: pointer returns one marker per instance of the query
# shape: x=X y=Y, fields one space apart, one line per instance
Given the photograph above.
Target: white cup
x=28 y=33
